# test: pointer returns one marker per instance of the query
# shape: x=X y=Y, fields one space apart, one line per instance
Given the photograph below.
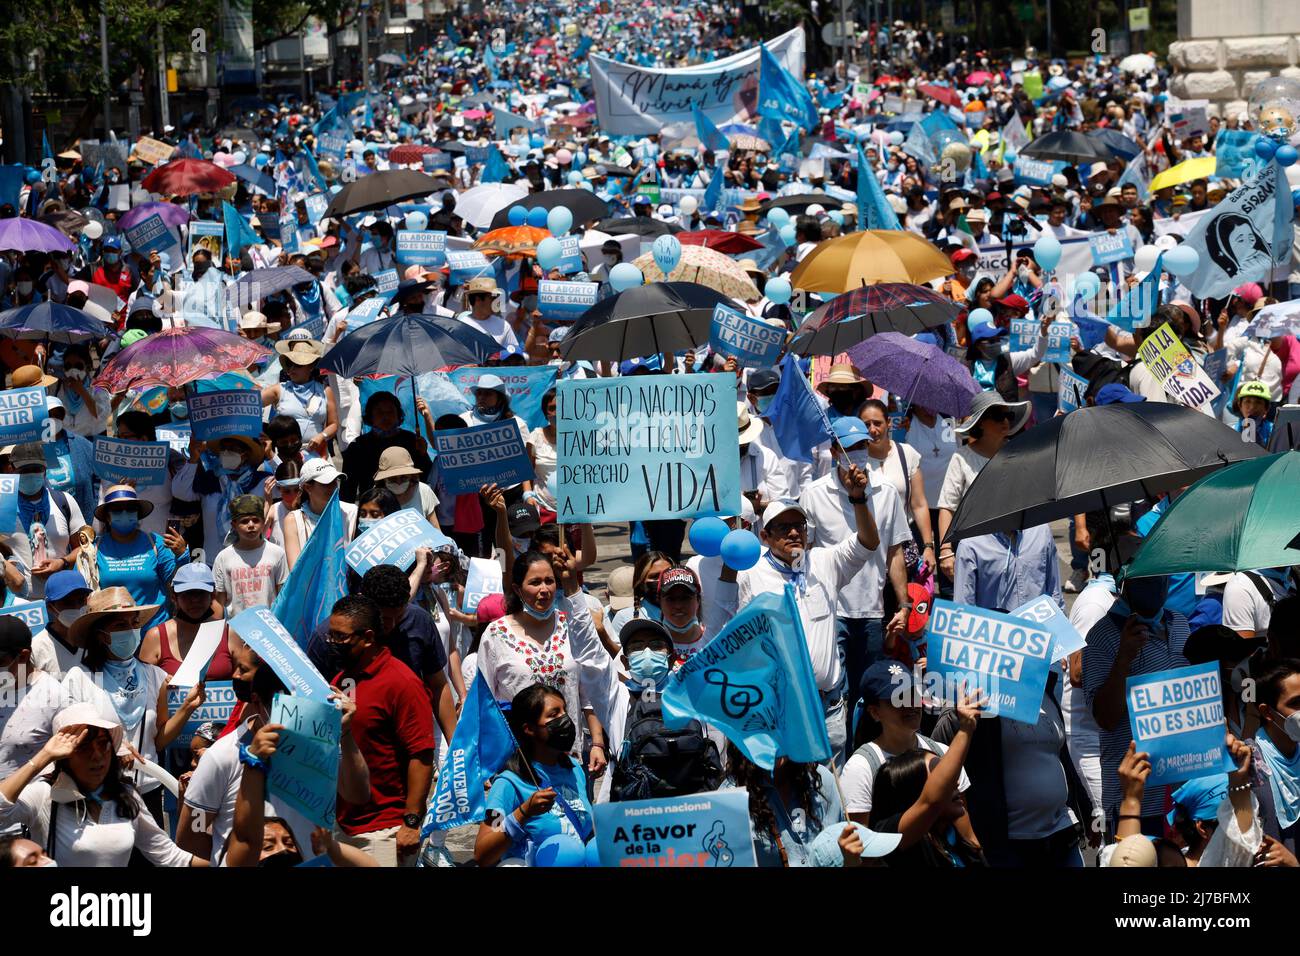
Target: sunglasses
x=1001 y=415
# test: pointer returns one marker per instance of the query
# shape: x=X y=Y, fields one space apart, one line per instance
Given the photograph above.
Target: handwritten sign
x=393 y=541
x=144 y=462
x=422 y=247
x=1107 y=248
x=152 y=152
x=22 y=415
x=150 y=234
x=649 y=447
x=31 y=613
x=753 y=342
x=703 y=829
x=216 y=415
x=469 y=458
x=265 y=635
x=565 y=300
x=305 y=771
x=484 y=578
x=1177 y=717
x=1073 y=389
x=1172 y=365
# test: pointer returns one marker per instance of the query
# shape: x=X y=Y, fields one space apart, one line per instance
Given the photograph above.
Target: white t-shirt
x=1081 y=727
x=250 y=578
x=494 y=327
x=857 y=780
x=544 y=465
x=935 y=448
x=50 y=655
x=891 y=469
x=1244 y=608
x=962 y=469
x=81 y=686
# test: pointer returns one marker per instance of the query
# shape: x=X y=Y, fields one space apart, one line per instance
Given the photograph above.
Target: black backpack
x=658 y=762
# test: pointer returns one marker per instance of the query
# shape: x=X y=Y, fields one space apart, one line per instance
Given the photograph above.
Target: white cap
x=319 y=470
x=1059 y=181
x=779 y=507
x=816 y=209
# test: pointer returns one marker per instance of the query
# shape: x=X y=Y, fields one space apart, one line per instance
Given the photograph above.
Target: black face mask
x=561 y=733
x=285 y=858
x=843 y=402
x=200 y=268
x=243 y=689
x=340 y=656
x=194 y=620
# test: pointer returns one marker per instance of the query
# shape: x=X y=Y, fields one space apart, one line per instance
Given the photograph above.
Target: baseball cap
x=523 y=519
x=1116 y=392
x=1013 y=301
x=984 y=330
x=619 y=587
x=195 y=576
x=779 y=507
x=62 y=583
x=643 y=629
x=319 y=470
x=764 y=378
x=888 y=680
x=678 y=577
x=849 y=430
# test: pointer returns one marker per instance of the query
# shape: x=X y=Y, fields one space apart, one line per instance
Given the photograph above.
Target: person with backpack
x=1249 y=596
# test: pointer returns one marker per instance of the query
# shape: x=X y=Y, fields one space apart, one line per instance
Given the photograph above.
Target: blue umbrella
x=907 y=367
x=260 y=283
x=1116 y=142
x=51 y=322
x=255 y=178
x=408 y=344
x=500 y=85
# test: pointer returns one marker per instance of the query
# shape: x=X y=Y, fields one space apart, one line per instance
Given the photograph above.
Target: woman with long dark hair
x=542 y=792
x=645 y=590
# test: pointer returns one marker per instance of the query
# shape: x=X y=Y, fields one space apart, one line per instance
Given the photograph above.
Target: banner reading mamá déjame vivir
x=634 y=100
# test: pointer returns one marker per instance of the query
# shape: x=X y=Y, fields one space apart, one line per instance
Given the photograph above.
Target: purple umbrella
x=171 y=213
x=28 y=235
x=917 y=371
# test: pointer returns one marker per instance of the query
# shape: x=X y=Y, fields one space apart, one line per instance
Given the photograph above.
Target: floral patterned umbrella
x=178 y=356
x=513 y=242
x=704 y=266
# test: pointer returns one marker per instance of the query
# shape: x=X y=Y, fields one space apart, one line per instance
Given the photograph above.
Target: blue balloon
x=1047 y=251
x=592 y=853
x=1265 y=148
x=667 y=252
x=625 y=276
x=778 y=216
x=517 y=215
x=549 y=253
x=562 y=849
x=537 y=218
x=536 y=142
x=1286 y=154
x=1182 y=260
x=706 y=536
x=979 y=317
x=575 y=177
x=559 y=220
x=778 y=290
x=1008 y=158
x=416 y=220
x=836 y=217
x=740 y=550
x=788 y=235
x=1087 y=285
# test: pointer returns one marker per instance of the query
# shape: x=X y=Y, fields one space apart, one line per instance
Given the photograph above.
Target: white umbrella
x=1276 y=320
x=1138 y=63
x=478 y=205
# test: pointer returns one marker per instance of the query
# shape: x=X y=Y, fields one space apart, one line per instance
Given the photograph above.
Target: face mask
x=124 y=522
x=488 y=415
x=860 y=458
x=231 y=460
x=561 y=734
x=242 y=689
x=649 y=668
x=70 y=616
x=763 y=403
x=180 y=411
x=1291 y=726
x=365 y=524
x=123 y=644
x=685 y=628
x=111 y=258
x=399 y=488
x=340 y=656
x=200 y=268
x=611 y=261
x=24 y=288
x=540 y=615
x=29 y=483
x=74 y=374
x=1023 y=274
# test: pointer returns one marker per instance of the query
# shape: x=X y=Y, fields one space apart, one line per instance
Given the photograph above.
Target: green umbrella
x=1238 y=518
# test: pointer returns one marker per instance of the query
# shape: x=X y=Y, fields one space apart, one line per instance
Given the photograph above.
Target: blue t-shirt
x=1182 y=587
x=144 y=566
x=508 y=791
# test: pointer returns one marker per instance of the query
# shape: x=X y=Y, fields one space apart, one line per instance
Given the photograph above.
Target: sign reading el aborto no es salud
x=646 y=448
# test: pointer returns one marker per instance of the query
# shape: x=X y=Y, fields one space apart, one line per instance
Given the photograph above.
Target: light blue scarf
x=1283 y=780
x=125 y=684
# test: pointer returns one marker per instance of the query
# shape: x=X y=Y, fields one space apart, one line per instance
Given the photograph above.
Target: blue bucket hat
x=1199 y=798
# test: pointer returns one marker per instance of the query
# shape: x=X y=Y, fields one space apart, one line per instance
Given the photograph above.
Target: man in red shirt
x=393 y=729
x=112 y=274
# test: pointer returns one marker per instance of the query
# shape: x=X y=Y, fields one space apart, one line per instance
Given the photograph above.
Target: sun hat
x=749 y=426
x=841 y=374
x=394 y=462
x=26 y=376
x=985 y=402
x=106 y=602
x=619 y=587
x=86 y=714
x=122 y=494
x=301 y=351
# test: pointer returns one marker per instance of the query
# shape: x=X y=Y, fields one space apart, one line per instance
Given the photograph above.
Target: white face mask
x=399 y=488
x=611 y=261
x=70 y=616
x=74 y=374
x=231 y=460
x=24 y=288
x=861 y=458
x=1291 y=726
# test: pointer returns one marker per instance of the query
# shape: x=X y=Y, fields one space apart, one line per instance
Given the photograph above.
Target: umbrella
x=1092 y=459
x=799 y=202
x=67 y=221
x=1115 y=141
x=478 y=205
x=171 y=213
x=731 y=243
x=869 y=310
x=1237 y=518
x=1276 y=320
x=390 y=59
x=1184 y=172
x=408 y=344
x=1068 y=146
x=254 y=177
x=52 y=322
x=584 y=205
x=257 y=285
x=980 y=77
x=409 y=153
x=745 y=141
x=875 y=255
x=512 y=242
x=1137 y=63
x=887 y=79
x=644 y=320
x=28 y=235
x=178 y=356
x=382 y=189
x=702 y=265
x=945 y=95
x=907 y=367
x=185 y=177
x=637 y=226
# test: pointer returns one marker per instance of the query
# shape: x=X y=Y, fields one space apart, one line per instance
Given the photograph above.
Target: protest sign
x=258 y=628
x=1036 y=172
x=22 y=415
x=177 y=436
x=394 y=540
x=1046 y=612
x=526 y=386
x=1177 y=717
x=466 y=264
x=195 y=665
x=484 y=578
x=1107 y=248
x=209 y=236
x=1072 y=391
x=316 y=205
x=1172 y=365
x=570 y=256
x=469 y=458
x=648 y=447
x=1006 y=657
x=1188 y=117
x=143 y=462
x=365 y=312
x=305 y=772
x=753 y=342
x=216 y=709
x=703 y=829
x=288 y=230
x=1215 y=366
x=216 y=415
x=565 y=301
x=422 y=247
x=1024 y=334
x=31 y=613
x=150 y=151
x=386 y=281
x=1058 y=342
x=149 y=235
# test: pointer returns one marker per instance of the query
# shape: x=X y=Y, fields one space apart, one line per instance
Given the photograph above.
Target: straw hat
x=842 y=374
x=104 y=603
x=481 y=284
x=300 y=351
x=25 y=376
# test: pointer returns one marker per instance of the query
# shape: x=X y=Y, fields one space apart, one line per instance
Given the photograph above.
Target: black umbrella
x=408 y=344
x=1092 y=459
x=379 y=190
x=644 y=320
x=258 y=284
x=584 y=205
x=1067 y=146
x=1115 y=141
x=615 y=170
x=799 y=202
x=636 y=226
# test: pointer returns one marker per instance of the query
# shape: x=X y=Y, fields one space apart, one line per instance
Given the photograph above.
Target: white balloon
x=92 y=230
x=1144 y=259
x=688 y=205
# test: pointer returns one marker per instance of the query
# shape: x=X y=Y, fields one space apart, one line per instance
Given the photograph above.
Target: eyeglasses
x=785 y=527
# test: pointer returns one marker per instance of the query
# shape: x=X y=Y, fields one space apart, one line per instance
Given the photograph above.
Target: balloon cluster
x=710 y=537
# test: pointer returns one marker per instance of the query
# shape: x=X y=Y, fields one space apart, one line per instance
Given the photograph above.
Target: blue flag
x=583 y=46
x=873 y=208
x=318 y=579
x=310 y=162
x=1135 y=172
x=452 y=33
x=754 y=682
x=799 y=422
x=239 y=233
x=917 y=145
x=495 y=170
x=707 y=130
x=479 y=748
x=1136 y=307
x=490 y=60
x=713 y=192
x=781 y=96
x=46 y=152
x=769 y=130
x=504 y=121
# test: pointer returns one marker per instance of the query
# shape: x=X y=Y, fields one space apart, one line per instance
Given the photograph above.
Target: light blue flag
x=479 y=748
x=754 y=682
x=46 y=152
x=1135 y=172
x=504 y=121
x=781 y=96
x=713 y=192
x=977 y=169
x=875 y=209
x=1234 y=154
x=917 y=145
x=495 y=170
x=769 y=130
x=799 y=422
x=490 y=60
x=707 y=130
x=239 y=234
x=318 y=579
x=1136 y=307
x=452 y=33
x=312 y=168
x=932 y=124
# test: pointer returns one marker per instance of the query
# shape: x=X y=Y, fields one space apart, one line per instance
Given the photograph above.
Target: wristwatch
x=411 y=820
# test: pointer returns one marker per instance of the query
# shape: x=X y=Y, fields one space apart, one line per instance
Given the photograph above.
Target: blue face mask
x=180 y=411
x=764 y=402
x=365 y=524
x=649 y=668
x=123 y=522
x=123 y=644
x=685 y=628
x=31 y=482
x=488 y=415
x=539 y=615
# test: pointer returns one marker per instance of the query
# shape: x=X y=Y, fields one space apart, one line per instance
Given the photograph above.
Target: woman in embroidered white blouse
x=530 y=645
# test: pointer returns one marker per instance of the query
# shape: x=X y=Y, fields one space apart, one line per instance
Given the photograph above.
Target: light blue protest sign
x=177 y=436
x=469 y=458
x=1058 y=342
x=1004 y=656
x=265 y=635
x=570 y=256
x=394 y=540
x=565 y=301
x=646 y=447
x=526 y=386
x=433 y=161
x=1215 y=366
x=150 y=234
x=8 y=500
x=1177 y=717
x=1107 y=248
x=1072 y=391
x=305 y=772
x=466 y=264
x=475 y=155
x=479 y=748
x=288 y=230
x=484 y=578
x=1024 y=334
x=366 y=311
x=216 y=415
x=1043 y=611
x=22 y=415
x=753 y=342
x=209 y=236
x=143 y=462
x=705 y=829
x=218 y=705
x=422 y=247
x=386 y=281
x=1234 y=154
x=1036 y=172
x=31 y=613
x=316 y=204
